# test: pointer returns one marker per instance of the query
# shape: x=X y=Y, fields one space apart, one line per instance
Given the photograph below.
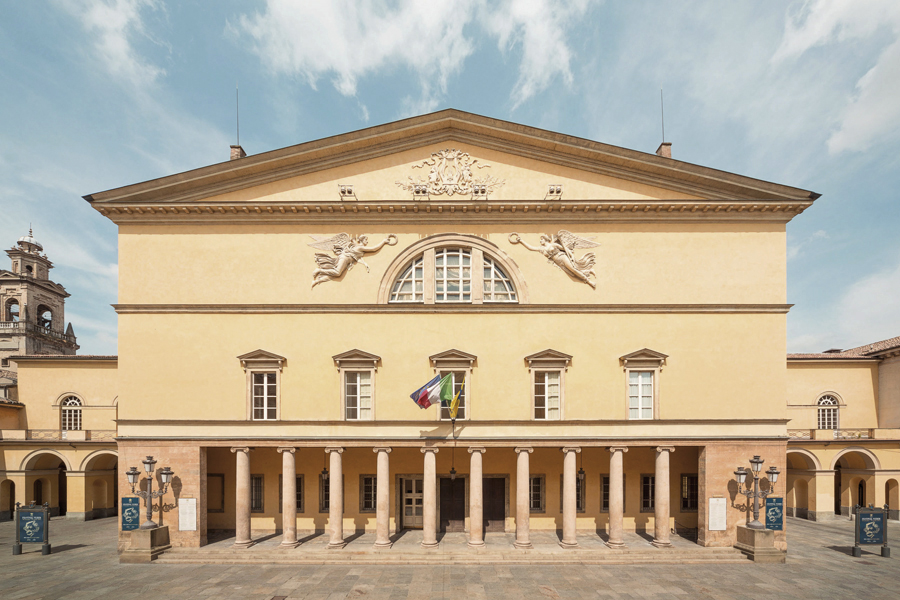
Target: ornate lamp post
x=166 y=476
x=741 y=475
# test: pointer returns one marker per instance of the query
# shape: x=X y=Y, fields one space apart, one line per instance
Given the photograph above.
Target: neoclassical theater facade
x=612 y=321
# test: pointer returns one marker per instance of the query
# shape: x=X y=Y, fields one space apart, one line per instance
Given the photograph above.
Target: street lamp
x=165 y=475
x=741 y=475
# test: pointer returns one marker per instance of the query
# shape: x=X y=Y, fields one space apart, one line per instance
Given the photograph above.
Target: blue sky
x=102 y=93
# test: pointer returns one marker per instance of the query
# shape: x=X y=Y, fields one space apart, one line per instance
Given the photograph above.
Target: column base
x=335 y=545
x=568 y=545
x=242 y=545
x=523 y=546
x=475 y=545
x=289 y=545
x=383 y=545
x=615 y=545
x=430 y=545
x=661 y=544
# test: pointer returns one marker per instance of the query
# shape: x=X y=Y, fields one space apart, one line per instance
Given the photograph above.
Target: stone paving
x=84 y=565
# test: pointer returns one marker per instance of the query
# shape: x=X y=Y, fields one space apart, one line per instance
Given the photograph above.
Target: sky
x=98 y=94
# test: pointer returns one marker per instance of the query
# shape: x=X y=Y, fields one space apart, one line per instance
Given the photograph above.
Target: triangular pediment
x=261 y=359
x=644 y=357
x=548 y=358
x=383 y=164
x=451 y=357
x=356 y=358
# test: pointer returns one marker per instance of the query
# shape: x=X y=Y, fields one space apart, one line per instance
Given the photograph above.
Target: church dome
x=29 y=243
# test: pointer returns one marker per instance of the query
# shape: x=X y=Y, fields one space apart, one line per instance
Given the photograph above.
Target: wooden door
x=494 y=504
x=453 y=504
x=412 y=503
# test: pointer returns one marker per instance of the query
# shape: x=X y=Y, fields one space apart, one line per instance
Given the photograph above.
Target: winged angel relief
x=451 y=173
x=347 y=252
x=560 y=250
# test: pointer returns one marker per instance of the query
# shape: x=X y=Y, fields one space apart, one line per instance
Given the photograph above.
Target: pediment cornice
x=356 y=358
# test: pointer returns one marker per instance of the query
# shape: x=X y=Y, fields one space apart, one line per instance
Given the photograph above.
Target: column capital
x=329 y=450
x=521 y=449
x=282 y=450
x=241 y=450
x=615 y=449
x=665 y=448
x=574 y=449
x=429 y=449
x=480 y=449
x=381 y=449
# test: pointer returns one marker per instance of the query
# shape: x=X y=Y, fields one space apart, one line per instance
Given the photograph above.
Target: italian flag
x=435 y=391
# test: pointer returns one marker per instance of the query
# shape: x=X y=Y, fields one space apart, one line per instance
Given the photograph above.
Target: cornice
x=363 y=212
x=498 y=308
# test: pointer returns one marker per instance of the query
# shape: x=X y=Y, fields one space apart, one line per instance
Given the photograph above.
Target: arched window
x=828 y=412
x=71 y=414
x=453 y=278
x=12 y=310
x=45 y=316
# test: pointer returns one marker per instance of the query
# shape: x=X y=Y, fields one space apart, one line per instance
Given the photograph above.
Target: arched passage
x=46 y=479
x=800 y=498
x=892 y=498
x=101 y=490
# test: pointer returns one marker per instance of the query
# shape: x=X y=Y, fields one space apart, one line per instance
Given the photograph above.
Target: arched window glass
x=452 y=275
x=828 y=412
x=409 y=287
x=497 y=286
x=71 y=414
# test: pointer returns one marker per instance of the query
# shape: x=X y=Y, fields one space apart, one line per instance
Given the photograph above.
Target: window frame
x=648 y=500
x=325 y=499
x=644 y=360
x=66 y=411
x=580 y=493
x=605 y=489
x=299 y=493
x=356 y=361
x=831 y=408
x=362 y=493
x=262 y=492
x=548 y=361
x=455 y=361
x=542 y=508
x=685 y=483
x=258 y=362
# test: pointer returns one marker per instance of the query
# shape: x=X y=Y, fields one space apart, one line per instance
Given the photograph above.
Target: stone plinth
x=758 y=545
x=146 y=545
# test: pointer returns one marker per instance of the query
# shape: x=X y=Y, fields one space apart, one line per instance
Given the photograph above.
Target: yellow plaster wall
x=205 y=381
x=650 y=263
x=11 y=418
x=43 y=385
x=889 y=392
x=855 y=384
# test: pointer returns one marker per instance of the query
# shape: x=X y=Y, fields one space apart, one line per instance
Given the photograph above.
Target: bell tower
x=32 y=308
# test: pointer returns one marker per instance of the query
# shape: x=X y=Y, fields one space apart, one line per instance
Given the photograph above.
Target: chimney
x=237 y=152
x=664 y=150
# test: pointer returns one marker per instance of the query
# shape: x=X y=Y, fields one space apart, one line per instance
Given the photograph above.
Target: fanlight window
x=451 y=279
x=828 y=412
x=71 y=414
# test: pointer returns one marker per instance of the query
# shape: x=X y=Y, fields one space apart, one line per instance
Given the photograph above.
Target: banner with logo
x=131 y=513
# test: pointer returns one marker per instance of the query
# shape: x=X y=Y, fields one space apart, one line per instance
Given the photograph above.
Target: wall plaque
x=187 y=514
x=131 y=513
x=717 y=514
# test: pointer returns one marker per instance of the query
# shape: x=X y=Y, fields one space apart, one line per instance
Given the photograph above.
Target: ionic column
x=242 y=504
x=661 y=498
x=382 y=498
x=570 y=501
x=476 y=499
x=429 y=499
x=336 y=499
x=288 y=498
x=616 y=497
x=523 y=505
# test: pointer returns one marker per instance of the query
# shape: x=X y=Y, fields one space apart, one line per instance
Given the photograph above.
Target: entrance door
x=412 y=503
x=837 y=489
x=63 y=491
x=453 y=504
x=494 y=490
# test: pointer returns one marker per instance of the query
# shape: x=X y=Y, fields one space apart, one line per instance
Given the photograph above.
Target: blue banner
x=31 y=526
x=871 y=527
x=131 y=513
x=775 y=514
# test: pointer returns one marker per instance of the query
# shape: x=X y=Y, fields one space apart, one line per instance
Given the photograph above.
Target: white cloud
x=348 y=40
x=872 y=112
x=796 y=247
x=113 y=24
x=869 y=310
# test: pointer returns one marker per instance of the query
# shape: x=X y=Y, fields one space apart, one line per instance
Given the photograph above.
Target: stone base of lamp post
x=758 y=545
x=146 y=545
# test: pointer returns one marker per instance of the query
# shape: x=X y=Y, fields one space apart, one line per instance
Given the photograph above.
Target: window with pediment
x=452 y=269
x=263 y=372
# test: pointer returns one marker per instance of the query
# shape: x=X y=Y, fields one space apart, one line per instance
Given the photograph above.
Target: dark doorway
x=63 y=490
x=453 y=504
x=38 y=492
x=837 y=489
x=494 y=504
x=861 y=494
x=12 y=500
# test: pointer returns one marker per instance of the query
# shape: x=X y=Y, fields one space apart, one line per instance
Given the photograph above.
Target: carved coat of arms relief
x=451 y=172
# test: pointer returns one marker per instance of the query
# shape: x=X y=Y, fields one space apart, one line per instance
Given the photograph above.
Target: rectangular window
x=689 y=493
x=367 y=493
x=256 y=493
x=452 y=275
x=324 y=491
x=579 y=494
x=536 y=493
x=299 y=494
x=458 y=378
x=215 y=492
x=640 y=394
x=546 y=395
x=648 y=493
x=828 y=418
x=358 y=395
x=604 y=492
x=265 y=395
